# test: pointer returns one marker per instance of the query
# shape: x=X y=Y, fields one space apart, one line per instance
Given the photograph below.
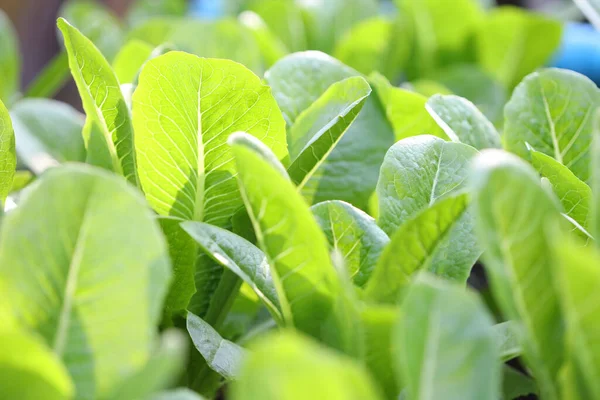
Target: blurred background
x=35 y=23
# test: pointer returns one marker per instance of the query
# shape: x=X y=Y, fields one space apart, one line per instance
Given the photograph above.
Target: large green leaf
x=442 y=31
x=514 y=214
x=416 y=173
x=445 y=344
x=96 y=309
x=130 y=59
x=221 y=355
x=10 y=60
x=355 y=234
x=552 y=111
x=350 y=172
x=405 y=110
x=319 y=128
x=460 y=119
x=102 y=99
x=439 y=239
x=303 y=370
x=512 y=43
x=240 y=256
x=574 y=195
x=184 y=109
x=8 y=158
x=29 y=370
x=311 y=295
x=47 y=132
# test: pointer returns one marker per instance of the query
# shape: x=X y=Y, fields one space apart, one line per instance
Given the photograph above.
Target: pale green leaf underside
x=102 y=99
x=417 y=172
x=463 y=122
x=68 y=286
x=355 y=234
x=446 y=345
x=222 y=356
x=552 y=111
x=184 y=109
x=440 y=239
x=519 y=259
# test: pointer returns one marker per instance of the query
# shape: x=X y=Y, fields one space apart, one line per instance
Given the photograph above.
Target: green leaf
x=271 y=47
x=96 y=309
x=178 y=394
x=51 y=79
x=507 y=338
x=102 y=99
x=355 y=234
x=445 y=344
x=304 y=370
x=426 y=87
x=512 y=43
x=460 y=119
x=405 y=110
x=21 y=180
x=577 y=270
x=311 y=295
x=221 y=355
x=142 y=10
x=350 y=172
x=10 y=60
x=518 y=257
x=416 y=173
x=442 y=31
x=184 y=109
x=574 y=195
x=241 y=257
x=595 y=178
x=516 y=384
x=154 y=31
x=440 y=239
x=8 y=159
x=29 y=370
x=552 y=111
x=160 y=372
x=480 y=87
x=48 y=132
x=319 y=129
x=129 y=60
x=285 y=20
x=378 y=326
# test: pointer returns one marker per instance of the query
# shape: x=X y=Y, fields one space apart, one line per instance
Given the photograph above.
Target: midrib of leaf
x=557 y=152
x=201 y=175
x=436 y=178
x=71 y=284
x=431 y=352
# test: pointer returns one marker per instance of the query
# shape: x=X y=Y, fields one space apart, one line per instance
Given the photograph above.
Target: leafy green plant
x=229 y=220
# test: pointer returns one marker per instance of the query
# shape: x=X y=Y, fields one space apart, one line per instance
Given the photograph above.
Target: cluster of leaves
x=312 y=232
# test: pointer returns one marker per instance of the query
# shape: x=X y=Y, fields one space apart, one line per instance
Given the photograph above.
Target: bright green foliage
x=439 y=239
x=552 y=111
x=405 y=110
x=298 y=81
x=574 y=195
x=29 y=370
x=68 y=287
x=320 y=128
x=271 y=47
x=186 y=168
x=8 y=159
x=10 y=60
x=445 y=344
x=516 y=384
x=102 y=99
x=130 y=59
x=518 y=257
x=47 y=132
x=355 y=234
x=578 y=272
x=310 y=293
x=304 y=370
x=239 y=256
x=511 y=43
x=285 y=20
x=416 y=173
x=507 y=336
x=142 y=10
x=595 y=178
x=178 y=394
x=442 y=30
x=221 y=355
x=463 y=122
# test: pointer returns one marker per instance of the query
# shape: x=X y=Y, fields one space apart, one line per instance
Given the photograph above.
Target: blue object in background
x=580 y=50
x=207 y=9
